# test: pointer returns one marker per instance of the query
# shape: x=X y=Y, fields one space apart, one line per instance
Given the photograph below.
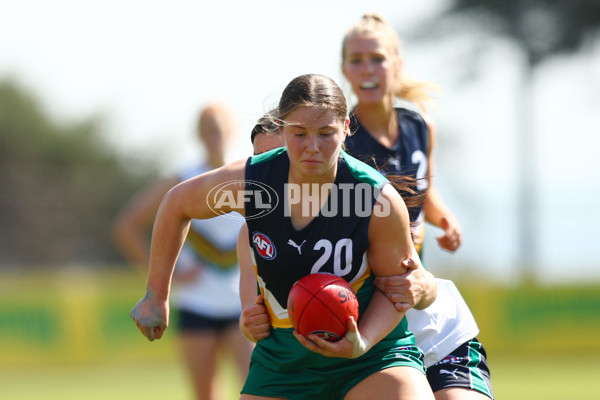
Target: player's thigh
x=459 y=393
x=396 y=383
x=199 y=337
x=239 y=347
x=199 y=348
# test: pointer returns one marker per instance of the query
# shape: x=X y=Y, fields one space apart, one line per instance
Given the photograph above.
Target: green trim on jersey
x=364 y=172
x=361 y=171
x=266 y=156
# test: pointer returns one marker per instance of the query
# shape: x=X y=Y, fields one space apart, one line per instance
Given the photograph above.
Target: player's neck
x=380 y=121
x=215 y=160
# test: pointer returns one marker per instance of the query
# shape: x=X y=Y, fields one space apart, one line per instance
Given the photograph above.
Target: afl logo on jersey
x=264 y=246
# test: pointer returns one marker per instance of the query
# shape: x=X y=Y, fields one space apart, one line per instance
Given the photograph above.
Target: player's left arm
x=435 y=209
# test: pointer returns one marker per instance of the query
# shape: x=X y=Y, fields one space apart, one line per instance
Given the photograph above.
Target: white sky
x=146 y=67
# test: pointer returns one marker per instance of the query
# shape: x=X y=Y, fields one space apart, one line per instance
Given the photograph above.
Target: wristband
x=360 y=345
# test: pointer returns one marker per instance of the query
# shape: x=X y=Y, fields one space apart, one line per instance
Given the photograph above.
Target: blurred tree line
x=60 y=186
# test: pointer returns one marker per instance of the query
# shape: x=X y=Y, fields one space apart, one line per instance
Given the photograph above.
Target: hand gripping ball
x=320 y=304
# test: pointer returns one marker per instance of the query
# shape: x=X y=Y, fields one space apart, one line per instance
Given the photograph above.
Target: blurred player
x=399 y=141
x=265 y=134
x=205 y=295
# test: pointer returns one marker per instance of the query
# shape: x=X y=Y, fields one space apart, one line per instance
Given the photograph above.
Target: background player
x=399 y=141
x=206 y=278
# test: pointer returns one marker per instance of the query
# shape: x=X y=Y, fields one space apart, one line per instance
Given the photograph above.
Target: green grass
x=91 y=382
x=148 y=381
x=74 y=327
x=554 y=377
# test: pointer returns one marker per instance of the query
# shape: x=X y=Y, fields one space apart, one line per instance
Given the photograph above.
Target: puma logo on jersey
x=297 y=246
x=264 y=246
x=453 y=373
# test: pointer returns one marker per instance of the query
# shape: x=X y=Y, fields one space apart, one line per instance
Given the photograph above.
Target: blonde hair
x=216 y=115
x=407 y=88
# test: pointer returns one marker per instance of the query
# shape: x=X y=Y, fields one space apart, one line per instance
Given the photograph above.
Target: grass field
x=67 y=335
x=556 y=377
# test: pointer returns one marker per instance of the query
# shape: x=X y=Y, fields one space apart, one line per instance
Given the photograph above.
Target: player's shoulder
x=411 y=115
x=267 y=156
x=419 y=122
x=268 y=166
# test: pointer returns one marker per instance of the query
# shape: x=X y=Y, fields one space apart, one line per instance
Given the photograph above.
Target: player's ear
x=347 y=126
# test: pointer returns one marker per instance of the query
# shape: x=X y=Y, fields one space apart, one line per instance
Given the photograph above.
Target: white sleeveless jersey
x=444 y=325
x=212 y=244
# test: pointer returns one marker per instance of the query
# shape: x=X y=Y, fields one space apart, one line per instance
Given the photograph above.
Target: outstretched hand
x=452 y=237
x=151 y=316
x=352 y=345
x=255 y=322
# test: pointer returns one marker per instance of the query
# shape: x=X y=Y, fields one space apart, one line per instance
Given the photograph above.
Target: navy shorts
x=466 y=367
x=192 y=322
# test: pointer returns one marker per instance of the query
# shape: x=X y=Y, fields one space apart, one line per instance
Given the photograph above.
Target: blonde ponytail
x=417 y=91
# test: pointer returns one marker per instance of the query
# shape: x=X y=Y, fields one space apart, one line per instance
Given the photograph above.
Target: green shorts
x=317 y=377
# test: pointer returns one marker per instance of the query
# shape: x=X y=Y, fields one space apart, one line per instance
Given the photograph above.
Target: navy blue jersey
x=332 y=242
x=408 y=156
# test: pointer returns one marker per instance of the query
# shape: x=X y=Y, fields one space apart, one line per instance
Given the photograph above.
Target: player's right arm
x=254 y=320
x=185 y=201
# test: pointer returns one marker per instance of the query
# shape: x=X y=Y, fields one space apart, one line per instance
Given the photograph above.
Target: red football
x=320 y=304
